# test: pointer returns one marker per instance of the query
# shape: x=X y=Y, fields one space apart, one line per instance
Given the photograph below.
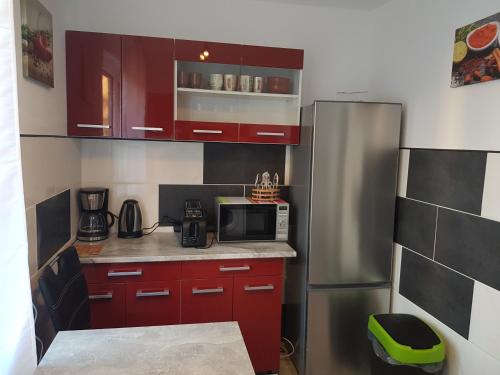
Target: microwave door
x=232 y=222
x=260 y=222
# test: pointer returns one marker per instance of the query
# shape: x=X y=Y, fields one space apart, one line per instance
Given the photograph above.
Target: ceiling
x=352 y=4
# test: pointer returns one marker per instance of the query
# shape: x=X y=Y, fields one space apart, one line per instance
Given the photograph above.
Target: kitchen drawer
x=132 y=272
x=207 y=300
x=284 y=134
x=206 y=131
x=232 y=267
x=153 y=303
x=107 y=305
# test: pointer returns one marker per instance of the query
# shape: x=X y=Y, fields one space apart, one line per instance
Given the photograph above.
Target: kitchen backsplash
x=449 y=228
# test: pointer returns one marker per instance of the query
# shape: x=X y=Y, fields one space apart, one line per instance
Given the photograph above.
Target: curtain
x=17 y=337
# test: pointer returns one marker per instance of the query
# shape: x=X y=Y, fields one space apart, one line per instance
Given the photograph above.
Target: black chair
x=65 y=293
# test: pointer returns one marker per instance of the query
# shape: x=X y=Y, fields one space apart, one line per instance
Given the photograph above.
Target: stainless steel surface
x=93 y=297
x=147 y=128
x=93 y=126
x=354 y=171
x=232 y=269
x=208 y=291
x=162 y=293
x=92 y=200
x=130 y=219
x=124 y=273
x=271 y=134
x=337 y=340
x=202 y=131
x=257 y=288
x=92 y=238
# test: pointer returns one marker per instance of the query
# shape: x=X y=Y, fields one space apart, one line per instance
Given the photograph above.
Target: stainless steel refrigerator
x=342 y=195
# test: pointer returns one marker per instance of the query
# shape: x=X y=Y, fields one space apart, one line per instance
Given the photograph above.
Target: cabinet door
x=148 y=84
x=207 y=300
x=257 y=308
x=272 y=57
x=93 y=76
x=107 y=305
x=153 y=303
x=277 y=134
x=221 y=53
x=206 y=131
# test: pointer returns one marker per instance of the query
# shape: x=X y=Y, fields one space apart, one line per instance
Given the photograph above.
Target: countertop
x=165 y=246
x=197 y=349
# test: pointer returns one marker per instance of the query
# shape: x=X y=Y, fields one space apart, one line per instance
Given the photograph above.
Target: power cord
x=284 y=350
x=154 y=227
x=207 y=247
x=35 y=316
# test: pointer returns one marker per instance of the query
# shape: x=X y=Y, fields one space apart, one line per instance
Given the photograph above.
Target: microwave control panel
x=282 y=221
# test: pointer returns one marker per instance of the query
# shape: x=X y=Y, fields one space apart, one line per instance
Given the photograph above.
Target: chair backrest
x=65 y=293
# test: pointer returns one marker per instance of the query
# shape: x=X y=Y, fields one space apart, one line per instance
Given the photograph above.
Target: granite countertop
x=165 y=246
x=197 y=349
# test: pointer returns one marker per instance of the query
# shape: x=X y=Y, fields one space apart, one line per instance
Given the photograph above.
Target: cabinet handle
x=93 y=126
x=160 y=293
x=147 y=129
x=208 y=291
x=124 y=273
x=232 y=269
x=201 y=131
x=270 y=134
x=258 y=288
x=108 y=295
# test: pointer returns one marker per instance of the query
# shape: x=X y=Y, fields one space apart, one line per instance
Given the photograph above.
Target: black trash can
x=402 y=344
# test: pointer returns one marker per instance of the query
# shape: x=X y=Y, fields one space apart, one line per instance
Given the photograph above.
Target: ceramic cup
x=258 y=84
x=183 y=79
x=230 y=81
x=216 y=81
x=195 y=79
x=245 y=83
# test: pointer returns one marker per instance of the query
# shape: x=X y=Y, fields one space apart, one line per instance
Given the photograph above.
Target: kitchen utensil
x=183 y=79
x=258 y=84
x=278 y=85
x=130 y=220
x=230 y=81
x=195 y=79
x=245 y=83
x=93 y=224
x=216 y=81
x=194 y=225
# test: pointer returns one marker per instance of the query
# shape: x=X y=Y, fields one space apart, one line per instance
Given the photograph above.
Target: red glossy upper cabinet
x=272 y=57
x=148 y=84
x=93 y=76
x=212 y=52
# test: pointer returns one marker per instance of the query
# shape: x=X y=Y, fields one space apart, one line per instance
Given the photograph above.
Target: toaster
x=194 y=225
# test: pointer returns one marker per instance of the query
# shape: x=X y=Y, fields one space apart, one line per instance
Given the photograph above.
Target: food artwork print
x=37 y=42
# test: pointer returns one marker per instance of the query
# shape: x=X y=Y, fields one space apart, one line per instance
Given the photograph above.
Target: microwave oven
x=241 y=219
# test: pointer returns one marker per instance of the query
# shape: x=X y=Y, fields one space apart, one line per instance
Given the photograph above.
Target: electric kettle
x=130 y=220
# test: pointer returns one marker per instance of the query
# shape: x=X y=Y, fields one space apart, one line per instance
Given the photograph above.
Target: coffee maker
x=93 y=224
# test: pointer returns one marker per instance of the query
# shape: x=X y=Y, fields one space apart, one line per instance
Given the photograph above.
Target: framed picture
x=476 y=55
x=37 y=42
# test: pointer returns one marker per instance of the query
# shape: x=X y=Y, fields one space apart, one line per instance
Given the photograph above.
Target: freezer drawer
x=337 y=328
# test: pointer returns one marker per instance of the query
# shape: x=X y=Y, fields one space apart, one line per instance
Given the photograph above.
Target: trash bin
x=402 y=344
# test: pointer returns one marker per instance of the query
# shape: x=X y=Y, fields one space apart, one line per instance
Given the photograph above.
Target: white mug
x=258 y=83
x=230 y=82
x=216 y=81
x=245 y=83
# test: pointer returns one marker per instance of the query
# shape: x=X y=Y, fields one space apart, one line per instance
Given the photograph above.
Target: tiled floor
x=287 y=367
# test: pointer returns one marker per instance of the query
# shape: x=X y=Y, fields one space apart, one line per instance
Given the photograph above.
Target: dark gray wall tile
x=451 y=179
x=469 y=244
x=53 y=221
x=415 y=225
x=172 y=198
x=443 y=293
x=226 y=163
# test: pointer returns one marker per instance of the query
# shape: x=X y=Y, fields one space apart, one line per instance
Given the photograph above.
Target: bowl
x=278 y=85
x=494 y=39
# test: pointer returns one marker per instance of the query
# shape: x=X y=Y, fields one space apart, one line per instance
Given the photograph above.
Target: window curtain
x=17 y=337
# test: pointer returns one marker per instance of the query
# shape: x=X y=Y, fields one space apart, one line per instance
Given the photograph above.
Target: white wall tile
x=491 y=192
x=32 y=239
x=484 y=326
x=404 y=159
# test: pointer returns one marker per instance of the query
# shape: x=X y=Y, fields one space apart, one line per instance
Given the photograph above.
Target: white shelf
x=236 y=93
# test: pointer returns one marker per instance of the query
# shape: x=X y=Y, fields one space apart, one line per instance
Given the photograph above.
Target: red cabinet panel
x=222 y=53
x=153 y=303
x=250 y=133
x=206 y=131
x=93 y=72
x=107 y=305
x=257 y=308
x=232 y=267
x=207 y=300
x=272 y=57
x=148 y=83
x=132 y=272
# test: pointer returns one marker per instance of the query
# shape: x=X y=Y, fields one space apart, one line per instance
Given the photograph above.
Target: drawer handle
x=200 y=131
x=160 y=293
x=124 y=273
x=108 y=295
x=93 y=126
x=270 y=134
x=258 y=288
x=147 y=129
x=232 y=269
x=208 y=291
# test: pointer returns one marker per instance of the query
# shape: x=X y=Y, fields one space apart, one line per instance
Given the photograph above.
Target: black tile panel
x=469 y=244
x=453 y=179
x=441 y=292
x=226 y=163
x=53 y=222
x=415 y=225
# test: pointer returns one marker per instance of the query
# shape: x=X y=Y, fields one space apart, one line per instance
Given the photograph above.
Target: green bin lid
x=407 y=339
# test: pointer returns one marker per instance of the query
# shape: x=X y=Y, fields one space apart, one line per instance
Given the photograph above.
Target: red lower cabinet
x=257 y=309
x=205 y=301
x=153 y=303
x=107 y=305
